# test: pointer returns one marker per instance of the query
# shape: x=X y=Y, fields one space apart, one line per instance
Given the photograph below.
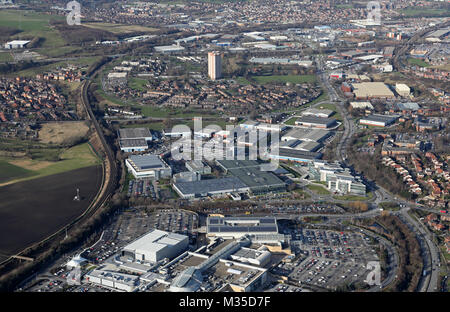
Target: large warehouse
x=369 y=90
x=289 y=154
x=210 y=187
x=133 y=145
x=378 y=120
x=236 y=227
x=258 y=181
x=156 y=245
x=135 y=133
x=148 y=166
x=316 y=122
x=250 y=173
x=304 y=134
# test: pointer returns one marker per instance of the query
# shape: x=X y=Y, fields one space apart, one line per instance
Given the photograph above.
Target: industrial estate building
x=369 y=90
x=316 y=122
x=322 y=113
x=402 y=89
x=304 y=134
x=378 y=120
x=289 y=154
x=134 y=139
x=367 y=105
x=136 y=133
x=169 y=49
x=148 y=166
x=214 y=65
x=133 y=145
x=155 y=246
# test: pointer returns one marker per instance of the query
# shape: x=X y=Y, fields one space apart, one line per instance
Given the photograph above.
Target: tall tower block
x=214 y=65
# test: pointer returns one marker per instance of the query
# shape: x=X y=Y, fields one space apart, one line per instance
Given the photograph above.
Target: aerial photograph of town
x=205 y=148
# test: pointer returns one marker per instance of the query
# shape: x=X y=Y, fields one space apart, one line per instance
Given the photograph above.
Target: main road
x=429 y=250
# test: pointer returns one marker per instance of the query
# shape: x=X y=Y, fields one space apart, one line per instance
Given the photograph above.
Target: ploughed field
x=32 y=210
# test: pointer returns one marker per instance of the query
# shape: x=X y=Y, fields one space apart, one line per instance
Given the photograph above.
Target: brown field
x=32 y=210
x=29 y=164
x=63 y=132
x=119 y=28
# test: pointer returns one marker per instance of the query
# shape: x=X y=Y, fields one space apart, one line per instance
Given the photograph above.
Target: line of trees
x=410 y=259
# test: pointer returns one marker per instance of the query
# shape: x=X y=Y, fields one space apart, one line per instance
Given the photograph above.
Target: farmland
x=26 y=217
x=40 y=164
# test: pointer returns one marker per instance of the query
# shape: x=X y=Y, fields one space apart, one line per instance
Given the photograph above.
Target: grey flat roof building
x=235 y=164
x=304 y=134
x=210 y=187
x=258 y=181
x=316 y=121
x=135 y=133
x=132 y=143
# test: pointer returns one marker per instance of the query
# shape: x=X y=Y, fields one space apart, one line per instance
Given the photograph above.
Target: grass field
x=6 y=57
x=243 y=81
x=151 y=111
x=32 y=72
x=76 y=157
x=291 y=121
x=138 y=84
x=284 y=79
x=425 y=12
x=418 y=62
x=318 y=189
x=32 y=24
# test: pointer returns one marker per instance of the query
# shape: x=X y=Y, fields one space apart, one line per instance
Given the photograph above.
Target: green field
x=284 y=79
x=151 y=111
x=291 y=121
x=242 y=80
x=418 y=62
x=424 y=12
x=138 y=84
x=32 y=72
x=76 y=157
x=32 y=24
x=318 y=189
x=6 y=57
